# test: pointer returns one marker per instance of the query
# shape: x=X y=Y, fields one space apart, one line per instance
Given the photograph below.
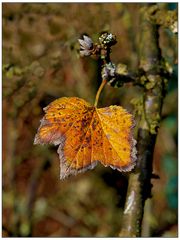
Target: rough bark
x=153 y=79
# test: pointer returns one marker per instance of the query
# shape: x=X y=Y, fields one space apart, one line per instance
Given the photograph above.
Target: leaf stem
x=104 y=81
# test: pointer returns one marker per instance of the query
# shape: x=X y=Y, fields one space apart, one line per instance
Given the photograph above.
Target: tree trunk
x=153 y=80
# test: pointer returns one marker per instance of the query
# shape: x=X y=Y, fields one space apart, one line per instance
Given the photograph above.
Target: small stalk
x=104 y=81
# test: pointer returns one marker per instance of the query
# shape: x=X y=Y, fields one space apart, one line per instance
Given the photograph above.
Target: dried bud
x=107 y=39
x=108 y=71
x=86 y=46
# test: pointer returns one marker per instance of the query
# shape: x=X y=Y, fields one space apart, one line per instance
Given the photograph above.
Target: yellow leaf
x=86 y=135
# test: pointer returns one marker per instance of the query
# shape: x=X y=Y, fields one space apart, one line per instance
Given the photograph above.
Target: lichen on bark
x=153 y=79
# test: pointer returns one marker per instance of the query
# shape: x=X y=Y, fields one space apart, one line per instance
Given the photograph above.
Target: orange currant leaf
x=87 y=135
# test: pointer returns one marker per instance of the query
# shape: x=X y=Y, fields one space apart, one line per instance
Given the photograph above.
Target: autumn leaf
x=87 y=135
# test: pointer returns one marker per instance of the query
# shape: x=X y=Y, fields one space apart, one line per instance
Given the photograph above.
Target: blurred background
x=41 y=63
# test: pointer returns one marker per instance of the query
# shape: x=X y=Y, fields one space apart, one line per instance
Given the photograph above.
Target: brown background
x=40 y=64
